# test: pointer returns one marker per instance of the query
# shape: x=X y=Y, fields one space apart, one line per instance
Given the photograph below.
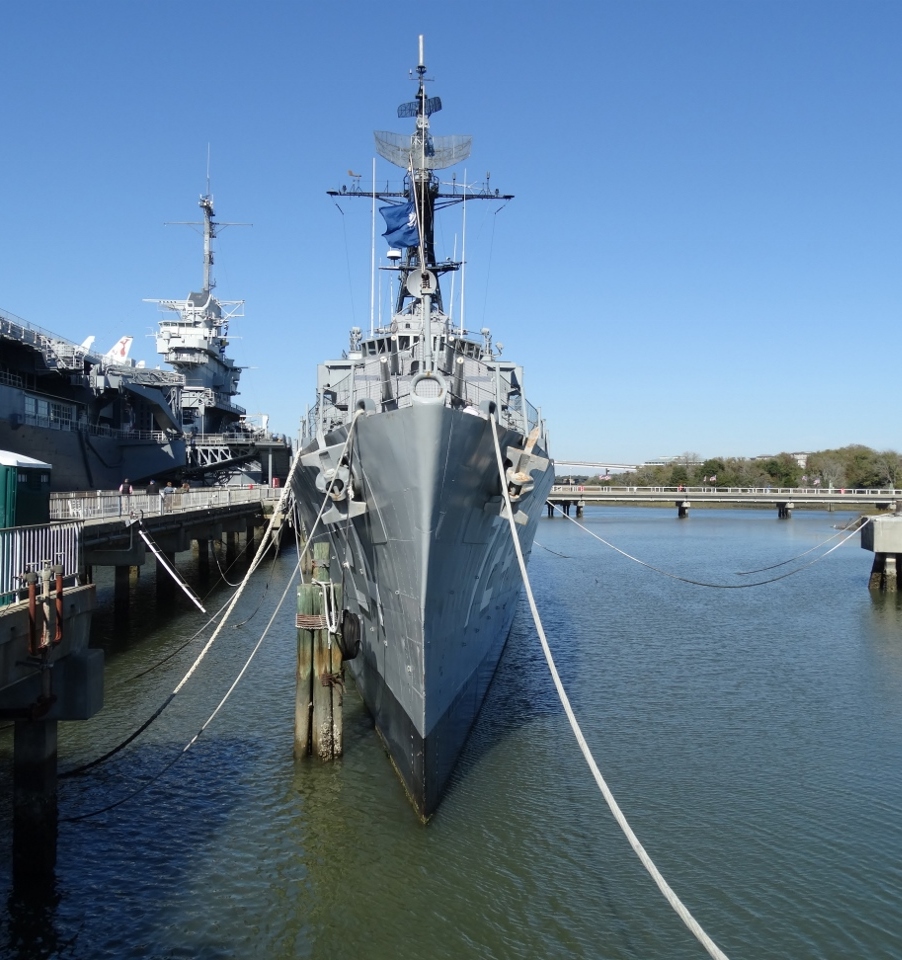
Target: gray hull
x=430 y=568
x=89 y=462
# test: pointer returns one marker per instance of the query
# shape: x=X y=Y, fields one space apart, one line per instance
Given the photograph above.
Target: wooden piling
x=318 y=698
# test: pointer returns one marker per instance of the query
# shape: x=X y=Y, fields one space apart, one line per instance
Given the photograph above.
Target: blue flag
x=401 y=220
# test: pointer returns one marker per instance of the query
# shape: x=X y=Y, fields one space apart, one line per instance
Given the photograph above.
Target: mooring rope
x=286 y=495
x=563 y=556
x=204 y=725
x=229 y=607
x=647 y=862
x=702 y=583
x=861 y=522
x=213 y=619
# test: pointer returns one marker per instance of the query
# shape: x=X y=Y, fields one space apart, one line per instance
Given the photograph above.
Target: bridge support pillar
x=250 y=542
x=784 y=510
x=231 y=547
x=683 y=509
x=550 y=506
x=580 y=506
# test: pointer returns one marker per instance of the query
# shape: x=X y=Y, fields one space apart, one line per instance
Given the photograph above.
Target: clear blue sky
x=704 y=252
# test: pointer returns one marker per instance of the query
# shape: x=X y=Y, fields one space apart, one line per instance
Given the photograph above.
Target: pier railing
x=35 y=548
x=109 y=504
x=708 y=490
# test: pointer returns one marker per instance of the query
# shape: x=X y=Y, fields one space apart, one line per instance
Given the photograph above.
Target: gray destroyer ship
x=400 y=447
x=101 y=417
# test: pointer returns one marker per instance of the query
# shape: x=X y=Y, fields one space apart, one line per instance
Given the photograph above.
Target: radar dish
x=411 y=109
x=441 y=152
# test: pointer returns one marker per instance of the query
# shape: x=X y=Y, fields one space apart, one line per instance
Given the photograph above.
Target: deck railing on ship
x=479 y=384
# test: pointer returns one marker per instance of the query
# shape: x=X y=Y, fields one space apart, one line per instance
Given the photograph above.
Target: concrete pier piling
x=47 y=674
x=883 y=537
x=320 y=679
x=683 y=509
x=34 y=802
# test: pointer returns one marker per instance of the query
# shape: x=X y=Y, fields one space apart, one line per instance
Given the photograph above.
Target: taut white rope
x=663 y=886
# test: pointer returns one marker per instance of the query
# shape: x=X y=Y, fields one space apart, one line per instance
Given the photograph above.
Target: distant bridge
x=620 y=467
x=785 y=499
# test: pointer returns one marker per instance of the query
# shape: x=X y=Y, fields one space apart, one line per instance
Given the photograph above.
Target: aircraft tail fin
x=119 y=352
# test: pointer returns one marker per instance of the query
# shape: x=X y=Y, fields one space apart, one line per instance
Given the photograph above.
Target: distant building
x=800 y=458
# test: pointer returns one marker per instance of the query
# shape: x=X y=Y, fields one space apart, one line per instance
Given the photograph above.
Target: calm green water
x=753 y=739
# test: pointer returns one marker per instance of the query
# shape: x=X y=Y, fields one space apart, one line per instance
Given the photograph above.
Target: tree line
x=854 y=466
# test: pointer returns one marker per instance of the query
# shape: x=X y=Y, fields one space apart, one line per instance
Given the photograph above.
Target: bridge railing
x=563 y=489
x=109 y=504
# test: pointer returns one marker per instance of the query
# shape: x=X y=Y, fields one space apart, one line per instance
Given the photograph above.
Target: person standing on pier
x=166 y=495
x=125 y=491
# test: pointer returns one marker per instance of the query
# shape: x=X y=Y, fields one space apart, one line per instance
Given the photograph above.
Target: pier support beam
x=883 y=536
x=121 y=588
x=885 y=573
x=580 y=506
x=165 y=583
x=203 y=558
x=249 y=553
x=231 y=547
x=34 y=803
x=784 y=510
x=683 y=509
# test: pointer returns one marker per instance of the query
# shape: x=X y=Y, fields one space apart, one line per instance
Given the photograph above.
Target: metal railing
x=109 y=504
x=885 y=492
x=24 y=549
x=478 y=385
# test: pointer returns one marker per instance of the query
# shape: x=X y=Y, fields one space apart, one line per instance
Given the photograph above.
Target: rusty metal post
x=58 y=634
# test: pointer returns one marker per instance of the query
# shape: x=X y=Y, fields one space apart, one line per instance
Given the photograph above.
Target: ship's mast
x=206 y=204
x=421 y=154
x=425 y=280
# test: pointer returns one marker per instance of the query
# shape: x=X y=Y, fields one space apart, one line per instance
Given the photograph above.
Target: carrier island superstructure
x=100 y=417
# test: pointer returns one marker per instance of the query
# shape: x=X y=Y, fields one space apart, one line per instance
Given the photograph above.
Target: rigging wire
x=702 y=583
x=344 y=231
x=671 y=897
